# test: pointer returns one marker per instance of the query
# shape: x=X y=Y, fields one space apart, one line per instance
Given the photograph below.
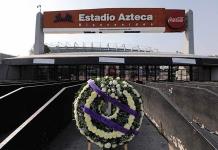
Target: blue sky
x=17 y=25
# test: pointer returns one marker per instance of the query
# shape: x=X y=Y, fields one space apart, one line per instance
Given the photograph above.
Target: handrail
x=24 y=124
x=29 y=86
x=34 y=116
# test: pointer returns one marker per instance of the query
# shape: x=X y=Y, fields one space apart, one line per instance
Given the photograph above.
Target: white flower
x=119 y=93
x=98 y=79
x=99 y=144
x=107 y=145
x=118 y=86
x=110 y=83
x=130 y=85
x=119 y=89
x=127 y=126
x=106 y=77
x=82 y=132
x=102 y=85
x=104 y=89
x=108 y=90
x=114 y=145
x=136 y=92
x=131 y=117
x=131 y=137
x=125 y=85
x=114 y=134
x=113 y=90
x=76 y=104
x=119 y=134
x=118 y=78
x=124 y=82
x=112 y=95
x=125 y=92
x=114 y=82
x=106 y=136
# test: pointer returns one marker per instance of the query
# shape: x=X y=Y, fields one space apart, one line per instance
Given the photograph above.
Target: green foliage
x=46 y=49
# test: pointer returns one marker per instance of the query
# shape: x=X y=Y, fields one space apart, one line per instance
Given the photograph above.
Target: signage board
x=43 y=61
x=183 y=61
x=111 y=60
x=113 y=20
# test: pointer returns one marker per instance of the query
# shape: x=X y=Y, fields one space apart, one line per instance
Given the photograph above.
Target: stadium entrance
x=82 y=63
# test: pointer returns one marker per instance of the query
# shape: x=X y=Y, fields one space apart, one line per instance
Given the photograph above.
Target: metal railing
x=45 y=123
x=16 y=106
x=98 y=47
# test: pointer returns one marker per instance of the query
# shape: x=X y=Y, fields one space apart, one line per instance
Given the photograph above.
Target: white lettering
x=112 y=18
x=81 y=17
x=176 y=19
x=122 y=17
x=149 y=17
x=137 y=17
x=133 y=17
x=92 y=17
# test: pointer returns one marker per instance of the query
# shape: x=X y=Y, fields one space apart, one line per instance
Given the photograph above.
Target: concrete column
x=189 y=34
x=39 y=35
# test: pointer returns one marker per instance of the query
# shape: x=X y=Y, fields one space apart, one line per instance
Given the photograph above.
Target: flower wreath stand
x=108 y=112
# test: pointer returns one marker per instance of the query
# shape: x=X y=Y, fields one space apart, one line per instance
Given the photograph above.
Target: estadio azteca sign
x=108 y=17
x=112 y=20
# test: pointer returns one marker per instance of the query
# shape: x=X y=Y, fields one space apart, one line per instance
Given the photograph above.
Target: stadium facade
x=82 y=63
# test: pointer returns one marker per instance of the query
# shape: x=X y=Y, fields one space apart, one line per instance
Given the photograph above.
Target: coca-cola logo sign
x=176 y=21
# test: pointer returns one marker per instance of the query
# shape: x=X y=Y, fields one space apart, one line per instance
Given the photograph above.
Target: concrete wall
x=204 y=74
x=197 y=104
x=13 y=73
x=27 y=73
x=3 y=71
x=2 y=56
x=169 y=120
x=212 y=86
x=3 y=67
x=214 y=74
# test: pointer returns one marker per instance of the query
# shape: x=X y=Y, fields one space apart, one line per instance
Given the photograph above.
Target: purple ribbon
x=112 y=100
x=107 y=122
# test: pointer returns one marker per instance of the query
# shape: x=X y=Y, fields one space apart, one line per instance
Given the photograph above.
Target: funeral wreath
x=108 y=111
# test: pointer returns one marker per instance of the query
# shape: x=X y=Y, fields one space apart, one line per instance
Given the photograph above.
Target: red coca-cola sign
x=176 y=22
x=175 y=19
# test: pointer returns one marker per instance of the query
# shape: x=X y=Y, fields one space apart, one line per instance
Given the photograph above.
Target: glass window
x=142 y=73
x=63 y=73
x=82 y=72
x=93 y=71
x=131 y=72
x=162 y=73
x=182 y=73
x=151 y=73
